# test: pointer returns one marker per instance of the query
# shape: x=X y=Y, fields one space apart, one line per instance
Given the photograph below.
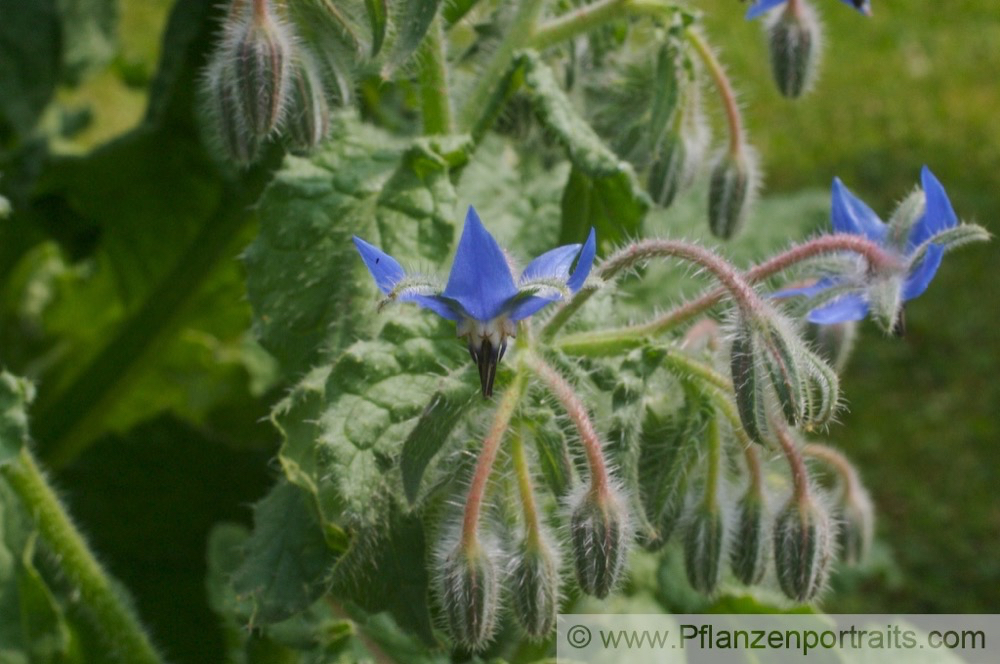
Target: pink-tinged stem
x=732 y=280
x=577 y=412
x=753 y=468
x=487 y=457
x=797 y=465
x=722 y=84
x=839 y=463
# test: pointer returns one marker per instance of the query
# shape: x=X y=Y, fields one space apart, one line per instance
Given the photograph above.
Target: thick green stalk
x=577 y=22
x=529 y=506
x=518 y=36
x=115 y=620
x=712 y=479
x=435 y=99
x=68 y=422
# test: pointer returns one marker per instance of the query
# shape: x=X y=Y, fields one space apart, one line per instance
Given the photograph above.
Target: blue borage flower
x=916 y=234
x=482 y=295
x=761 y=6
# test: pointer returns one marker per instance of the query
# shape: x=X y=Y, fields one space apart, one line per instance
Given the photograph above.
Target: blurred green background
x=915 y=84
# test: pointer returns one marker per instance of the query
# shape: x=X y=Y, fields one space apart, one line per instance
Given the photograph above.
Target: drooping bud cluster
x=773 y=372
x=262 y=82
x=704 y=546
x=793 y=36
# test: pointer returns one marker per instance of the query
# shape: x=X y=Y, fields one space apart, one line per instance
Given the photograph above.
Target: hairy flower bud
x=803 y=548
x=732 y=187
x=470 y=595
x=794 y=40
x=534 y=579
x=751 y=546
x=260 y=45
x=599 y=532
x=308 y=120
x=703 y=547
x=232 y=135
x=857 y=525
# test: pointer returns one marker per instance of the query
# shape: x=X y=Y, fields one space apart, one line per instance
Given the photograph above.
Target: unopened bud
x=731 y=190
x=751 y=546
x=599 y=531
x=779 y=349
x=534 y=580
x=703 y=545
x=232 y=134
x=857 y=525
x=260 y=44
x=470 y=595
x=748 y=383
x=794 y=40
x=308 y=120
x=803 y=548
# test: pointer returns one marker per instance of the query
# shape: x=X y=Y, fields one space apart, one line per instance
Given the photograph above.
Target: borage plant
x=626 y=416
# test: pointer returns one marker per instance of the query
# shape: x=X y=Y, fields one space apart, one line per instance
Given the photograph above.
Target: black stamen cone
x=487 y=357
x=899 y=329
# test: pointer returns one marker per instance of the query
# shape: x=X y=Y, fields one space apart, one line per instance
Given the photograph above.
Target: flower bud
x=534 y=579
x=309 y=112
x=794 y=40
x=599 y=532
x=779 y=353
x=260 y=46
x=748 y=383
x=803 y=547
x=750 y=552
x=231 y=134
x=857 y=525
x=669 y=173
x=703 y=544
x=731 y=190
x=470 y=595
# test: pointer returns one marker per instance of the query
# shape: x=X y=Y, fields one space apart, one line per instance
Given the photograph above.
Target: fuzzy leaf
x=287 y=557
x=602 y=191
x=15 y=395
x=303 y=273
x=411 y=24
x=377 y=16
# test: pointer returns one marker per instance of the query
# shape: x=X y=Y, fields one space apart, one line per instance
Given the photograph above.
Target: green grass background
x=918 y=83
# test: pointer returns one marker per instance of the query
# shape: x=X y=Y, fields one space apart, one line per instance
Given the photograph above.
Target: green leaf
x=46 y=631
x=386 y=570
x=287 y=558
x=602 y=191
x=29 y=63
x=377 y=16
x=310 y=291
x=15 y=395
x=451 y=401
x=410 y=21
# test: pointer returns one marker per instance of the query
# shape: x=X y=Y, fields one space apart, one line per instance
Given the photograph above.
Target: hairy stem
x=726 y=95
x=563 y=391
x=487 y=457
x=517 y=36
x=598 y=342
x=714 y=465
x=577 y=22
x=114 y=618
x=796 y=463
x=434 y=93
x=527 y=492
x=838 y=462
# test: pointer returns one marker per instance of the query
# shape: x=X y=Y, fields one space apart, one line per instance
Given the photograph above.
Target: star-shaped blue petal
x=920 y=257
x=761 y=6
x=482 y=295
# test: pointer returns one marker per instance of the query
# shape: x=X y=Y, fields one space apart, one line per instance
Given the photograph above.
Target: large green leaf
x=309 y=290
x=29 y=63
x=602 y=191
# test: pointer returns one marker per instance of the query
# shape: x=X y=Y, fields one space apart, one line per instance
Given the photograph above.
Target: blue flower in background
x=482 y=295
x=910 y=236
x=761 y=6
